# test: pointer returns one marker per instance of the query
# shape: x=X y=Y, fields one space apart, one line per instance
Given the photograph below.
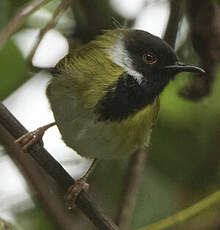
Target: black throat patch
x=126 y=97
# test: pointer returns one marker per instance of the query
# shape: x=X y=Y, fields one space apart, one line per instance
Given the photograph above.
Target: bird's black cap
x=139 y=43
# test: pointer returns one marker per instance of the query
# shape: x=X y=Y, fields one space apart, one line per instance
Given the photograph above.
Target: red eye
x=149 y=59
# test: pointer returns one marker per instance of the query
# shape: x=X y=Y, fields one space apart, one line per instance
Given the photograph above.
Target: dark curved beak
x=182 y=67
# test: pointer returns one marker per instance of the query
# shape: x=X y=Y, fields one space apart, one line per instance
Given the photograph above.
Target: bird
x=105 y=94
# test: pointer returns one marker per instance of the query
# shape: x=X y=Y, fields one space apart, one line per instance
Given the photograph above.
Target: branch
x=206 y=42
x=135 y=172
x=173 y=22
x=19 y=19
x=51 y=24
x=36 y=178
x=186 y=214
x=57 y=172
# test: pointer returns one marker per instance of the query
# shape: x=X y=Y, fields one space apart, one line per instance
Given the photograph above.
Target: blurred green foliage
x=8 y=8
x=12 y=63
x=34 y=219
x=158 y=196
x=13 y=69
x=217 y=1
x=187 y=135
x=4 y=12
x=16 y=5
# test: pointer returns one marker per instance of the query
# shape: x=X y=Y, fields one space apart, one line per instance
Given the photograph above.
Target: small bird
x=105 y=95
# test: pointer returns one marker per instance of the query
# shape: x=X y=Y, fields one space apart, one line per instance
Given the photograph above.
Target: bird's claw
x=74 y=190
x=28 y=139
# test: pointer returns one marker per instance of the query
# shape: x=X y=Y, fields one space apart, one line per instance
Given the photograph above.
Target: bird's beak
x=182 y=67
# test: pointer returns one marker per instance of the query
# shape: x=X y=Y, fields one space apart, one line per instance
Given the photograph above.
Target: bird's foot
x=28 y=139
x=74 y=190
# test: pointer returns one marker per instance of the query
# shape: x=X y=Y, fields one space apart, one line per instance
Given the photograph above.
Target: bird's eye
x=149 y=59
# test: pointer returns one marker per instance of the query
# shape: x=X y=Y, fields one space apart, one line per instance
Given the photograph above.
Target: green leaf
x=13 y=69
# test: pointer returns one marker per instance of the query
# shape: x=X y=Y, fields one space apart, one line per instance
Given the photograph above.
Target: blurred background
x=183 y=163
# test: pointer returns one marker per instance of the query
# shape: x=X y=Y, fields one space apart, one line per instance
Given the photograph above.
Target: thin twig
x=36 y=177
x=57 y=172
x=186 y=214
x=51 y=24
x=18 y=20
x=135 y=172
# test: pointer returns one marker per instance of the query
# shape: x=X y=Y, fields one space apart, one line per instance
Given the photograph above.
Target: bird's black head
x=150 y=56
x=148 y=63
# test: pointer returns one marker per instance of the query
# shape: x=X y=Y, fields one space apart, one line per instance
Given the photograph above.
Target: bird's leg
x=30 y=138
x=79 y=185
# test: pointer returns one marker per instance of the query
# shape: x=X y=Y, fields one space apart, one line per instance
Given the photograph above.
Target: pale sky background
x=29 y=103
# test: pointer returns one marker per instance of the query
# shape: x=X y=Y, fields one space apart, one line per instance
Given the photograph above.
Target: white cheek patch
x=121 y=57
